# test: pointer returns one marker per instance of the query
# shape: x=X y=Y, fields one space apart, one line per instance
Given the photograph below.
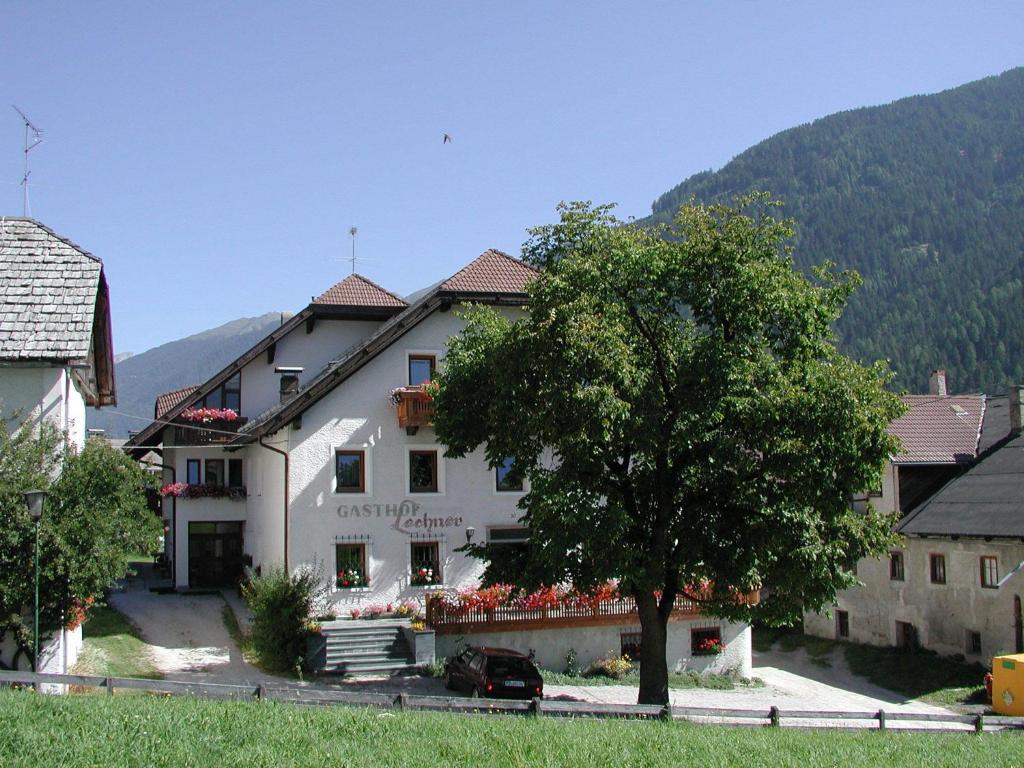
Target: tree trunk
x=653 y=666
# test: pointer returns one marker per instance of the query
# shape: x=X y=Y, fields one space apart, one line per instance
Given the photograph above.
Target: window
x=426 y=563
x=973 y=645
x=422 y=471
x=215 y=472
x=350 y=565
x=227 y=395
x=421 y=369
x=504 y=479
x=989 y=572
x=842 y=624
x=706 y=642
x=192 y=472
x=349 y=472
x=937 y=568
x=235 y=479
x=629 y=644
x=896 y=566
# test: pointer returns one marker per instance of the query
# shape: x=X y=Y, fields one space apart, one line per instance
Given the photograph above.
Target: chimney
x=289 y=381
x=937 y=383
x=1016 y=408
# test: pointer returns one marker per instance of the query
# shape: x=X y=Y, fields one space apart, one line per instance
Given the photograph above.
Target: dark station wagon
x=493 y=673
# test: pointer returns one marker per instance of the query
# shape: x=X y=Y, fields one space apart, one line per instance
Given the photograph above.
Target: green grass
x=676 y=680
x=74 y=732
x=113 y=647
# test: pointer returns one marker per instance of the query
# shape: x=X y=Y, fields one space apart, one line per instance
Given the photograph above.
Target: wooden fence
x=772 y=717
x=448 y=619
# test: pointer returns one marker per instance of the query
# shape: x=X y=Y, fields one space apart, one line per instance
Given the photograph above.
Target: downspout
x=67 y=397
x=285 y=454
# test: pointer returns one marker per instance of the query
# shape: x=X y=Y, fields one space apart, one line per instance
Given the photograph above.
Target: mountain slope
x=192 y=360
x=924 y=197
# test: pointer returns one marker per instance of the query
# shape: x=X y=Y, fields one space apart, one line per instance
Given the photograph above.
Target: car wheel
x=475 y=693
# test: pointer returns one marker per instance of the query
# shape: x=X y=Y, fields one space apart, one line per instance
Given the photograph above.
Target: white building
x=333 y=460
x=56 y=355
x=952 y=584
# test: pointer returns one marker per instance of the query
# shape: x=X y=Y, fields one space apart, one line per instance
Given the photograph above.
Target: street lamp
x=35 y=500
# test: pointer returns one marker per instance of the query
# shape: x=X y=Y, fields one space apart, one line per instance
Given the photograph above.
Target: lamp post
x=35 y=500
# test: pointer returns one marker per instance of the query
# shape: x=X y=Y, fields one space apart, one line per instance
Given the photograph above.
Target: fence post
x=979 y=724
x=881 y=719
x=259 y=692
x=402 y=701
x=666 y=712
x=773 y=715
x=535 y=707
x=109 y=683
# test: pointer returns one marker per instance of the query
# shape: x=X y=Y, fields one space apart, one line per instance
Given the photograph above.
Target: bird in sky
x=447 y=139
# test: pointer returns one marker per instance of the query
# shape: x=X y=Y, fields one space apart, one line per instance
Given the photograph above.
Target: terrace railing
x=415 y=407
x=207 y=432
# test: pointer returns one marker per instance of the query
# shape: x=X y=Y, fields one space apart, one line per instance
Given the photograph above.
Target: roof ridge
x=51 y=233
x=378 y=286
x=355 y=277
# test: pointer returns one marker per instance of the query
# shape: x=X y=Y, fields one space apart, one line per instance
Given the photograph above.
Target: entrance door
x=1018 y=626
x=214 y=554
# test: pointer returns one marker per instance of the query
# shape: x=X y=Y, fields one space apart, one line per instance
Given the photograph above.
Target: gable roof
x=169 y=400
x=491 y=272
x=939 y=429
x=356 y=291
x=54 y=304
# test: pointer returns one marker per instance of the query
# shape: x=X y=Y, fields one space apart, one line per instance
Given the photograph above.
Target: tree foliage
x=282 y=606
x=922 y=197
x=95 y=516
x=682 y=415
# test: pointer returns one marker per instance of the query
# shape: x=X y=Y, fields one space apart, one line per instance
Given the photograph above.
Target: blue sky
x=214 y=155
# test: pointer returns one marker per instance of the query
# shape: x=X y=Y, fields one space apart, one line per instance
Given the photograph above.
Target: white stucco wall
x=551 y=646
x=57 y=654
x=941 y=613
x=32 y=393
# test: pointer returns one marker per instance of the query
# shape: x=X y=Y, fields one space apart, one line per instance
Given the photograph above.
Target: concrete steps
x=361 y=648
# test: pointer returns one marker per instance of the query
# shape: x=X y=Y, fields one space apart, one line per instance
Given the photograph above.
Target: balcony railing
x=415 y=407
x=207 y=432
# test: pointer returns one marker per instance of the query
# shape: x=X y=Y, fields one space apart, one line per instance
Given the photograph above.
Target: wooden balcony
x=415 y=408
x=206 y=433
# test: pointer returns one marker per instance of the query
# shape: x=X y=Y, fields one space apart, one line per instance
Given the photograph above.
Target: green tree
x=96 y=515
x=679 y=407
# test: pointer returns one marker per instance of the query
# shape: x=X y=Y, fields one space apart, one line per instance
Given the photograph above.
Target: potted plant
x=349 y=578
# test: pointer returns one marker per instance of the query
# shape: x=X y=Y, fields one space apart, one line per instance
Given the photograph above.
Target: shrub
x=282 y=605
x=572 y=665
x=615 y=667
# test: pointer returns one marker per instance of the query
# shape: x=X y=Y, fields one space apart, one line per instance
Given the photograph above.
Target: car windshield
x=509 y=666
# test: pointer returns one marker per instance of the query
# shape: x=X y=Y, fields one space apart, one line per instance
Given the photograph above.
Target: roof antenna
x=352 y=231
x=37 y=139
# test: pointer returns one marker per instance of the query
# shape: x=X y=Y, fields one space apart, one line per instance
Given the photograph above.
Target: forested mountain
x=924 y=198
x=181 y=363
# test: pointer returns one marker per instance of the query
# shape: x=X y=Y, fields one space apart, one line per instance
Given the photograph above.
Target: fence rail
x=448 y=619
x=293 y=694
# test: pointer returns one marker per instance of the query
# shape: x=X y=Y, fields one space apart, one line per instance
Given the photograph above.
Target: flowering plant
x=375 y=611
x=427 y=391
x=709 y=646
x=78 y=612
x=508 y=596
x=423 y=576
x=355 y=613
x=351 y=577
x=206 y=415
x=407 y=608
x=186 y=491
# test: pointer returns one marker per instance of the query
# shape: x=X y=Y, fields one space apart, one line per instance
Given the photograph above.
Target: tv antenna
x=352 y=231
x=36 y=140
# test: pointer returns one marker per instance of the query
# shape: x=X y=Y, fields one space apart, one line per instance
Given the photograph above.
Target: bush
x=572 y=666
x=282 y=606
x=615 y=667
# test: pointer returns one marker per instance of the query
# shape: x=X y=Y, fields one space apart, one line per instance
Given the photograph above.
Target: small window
x=973 y=642
x=937 y=568
x=989 y=572
x=349 y=472
x=423 y=471
x=235 y=479
x=629 y=645
x=504 y=479
x=426 y=563
x=842 y=624
x=233 y=393
x=215 y=472
x=192 y=472
x=350 y=565
x=706 y=642
x=896 y=566
x=421 y=369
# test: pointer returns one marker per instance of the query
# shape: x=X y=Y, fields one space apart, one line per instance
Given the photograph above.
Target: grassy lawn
x=676 y=680
x=915 y=674
x=112 y=647
x=153 y=731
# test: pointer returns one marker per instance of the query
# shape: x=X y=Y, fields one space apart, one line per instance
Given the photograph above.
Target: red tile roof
x=169 y=400
x=939 y=429
x=491 y=272
x=357 y=291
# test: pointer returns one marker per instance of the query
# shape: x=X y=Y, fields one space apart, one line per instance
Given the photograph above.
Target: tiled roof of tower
x=48 y=293
x=169 y=400
x=491 y=272
x=356 y=291
x=939 y=429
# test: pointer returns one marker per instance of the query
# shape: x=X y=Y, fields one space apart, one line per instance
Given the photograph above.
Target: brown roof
x=356 y=291
x=939 y=429
x=169 y=400
x=491 y=272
